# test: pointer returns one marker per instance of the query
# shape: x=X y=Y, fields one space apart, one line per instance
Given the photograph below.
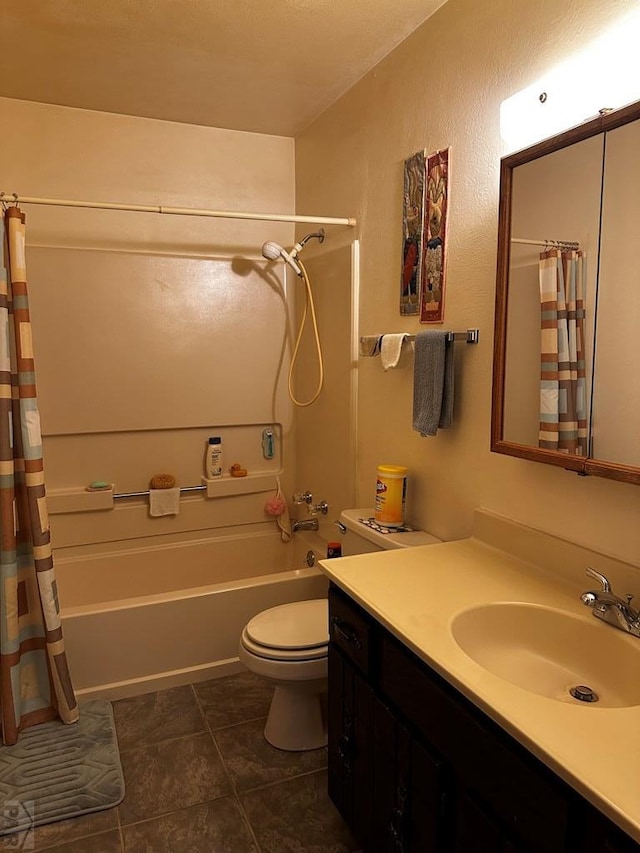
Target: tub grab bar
x=145 y=494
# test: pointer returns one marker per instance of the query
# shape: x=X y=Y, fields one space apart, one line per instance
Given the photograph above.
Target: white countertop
x=416 y=593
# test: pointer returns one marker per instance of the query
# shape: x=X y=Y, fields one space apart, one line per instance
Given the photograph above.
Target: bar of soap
x=98 y=486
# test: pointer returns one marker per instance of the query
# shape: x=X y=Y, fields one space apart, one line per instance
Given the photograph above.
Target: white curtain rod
x=573 y=244
x=9 y=198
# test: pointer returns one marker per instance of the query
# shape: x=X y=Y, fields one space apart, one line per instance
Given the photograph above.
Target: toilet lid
x=288 y=655
x=300 y=625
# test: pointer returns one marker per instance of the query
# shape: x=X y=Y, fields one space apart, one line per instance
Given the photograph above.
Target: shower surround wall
x=142 y=356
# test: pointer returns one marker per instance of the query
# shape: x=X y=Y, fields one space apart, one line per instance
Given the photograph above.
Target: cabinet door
x=533 y=808
x=601 y=836
x=475 y=829
x=409 y=805
x=350 y=724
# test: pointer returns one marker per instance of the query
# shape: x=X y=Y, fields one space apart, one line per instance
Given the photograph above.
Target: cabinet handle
x=395 y=828
x=346 y=632
x=343 y=747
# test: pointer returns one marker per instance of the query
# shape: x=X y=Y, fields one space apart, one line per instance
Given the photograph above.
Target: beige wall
x=326 y=448
x=180 y=333
x=443 y=87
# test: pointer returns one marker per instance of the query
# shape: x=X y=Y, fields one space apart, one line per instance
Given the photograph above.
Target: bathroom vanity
x=431 y=751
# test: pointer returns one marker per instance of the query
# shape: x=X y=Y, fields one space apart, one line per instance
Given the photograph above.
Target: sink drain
x=583 y=693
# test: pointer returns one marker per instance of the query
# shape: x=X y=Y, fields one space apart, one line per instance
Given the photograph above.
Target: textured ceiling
x=269 y=66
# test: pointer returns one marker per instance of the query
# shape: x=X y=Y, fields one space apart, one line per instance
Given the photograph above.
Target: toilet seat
x=270 y=653
x=289 y=629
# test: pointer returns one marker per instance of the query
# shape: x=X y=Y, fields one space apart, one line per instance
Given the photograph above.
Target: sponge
x=162 y=481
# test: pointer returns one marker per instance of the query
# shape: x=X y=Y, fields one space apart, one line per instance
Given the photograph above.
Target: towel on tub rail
x=164 y=501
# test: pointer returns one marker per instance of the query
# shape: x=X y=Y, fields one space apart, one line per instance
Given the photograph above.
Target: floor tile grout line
x=238 y=723
x=283 y=781
x=245 y=816
x=166 y=740
x=120 y=829
x=203 y=720
x=61 y=845
x=126 y=826
x=296 y=775
x=163 y=815
x=236 y=796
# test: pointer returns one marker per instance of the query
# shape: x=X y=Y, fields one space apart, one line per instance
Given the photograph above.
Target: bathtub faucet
x=307 y=524
x=307 y=498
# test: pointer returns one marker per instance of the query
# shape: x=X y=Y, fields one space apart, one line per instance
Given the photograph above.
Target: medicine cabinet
x=581 y=187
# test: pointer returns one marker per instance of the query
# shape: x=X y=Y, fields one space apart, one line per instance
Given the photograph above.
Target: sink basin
x=549 y=651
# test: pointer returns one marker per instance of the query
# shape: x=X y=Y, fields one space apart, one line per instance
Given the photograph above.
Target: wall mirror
x=566 y=371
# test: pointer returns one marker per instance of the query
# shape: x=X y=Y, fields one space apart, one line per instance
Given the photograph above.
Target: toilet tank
x=362 y=538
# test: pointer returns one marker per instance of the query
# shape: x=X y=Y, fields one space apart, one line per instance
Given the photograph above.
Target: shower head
x=274 y=251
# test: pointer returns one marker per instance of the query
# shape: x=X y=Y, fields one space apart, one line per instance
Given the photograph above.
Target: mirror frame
x=583 y=466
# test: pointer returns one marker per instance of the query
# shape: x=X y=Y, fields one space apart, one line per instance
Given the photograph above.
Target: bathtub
x=153 y=617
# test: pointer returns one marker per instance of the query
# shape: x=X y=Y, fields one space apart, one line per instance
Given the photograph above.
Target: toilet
x=288 y=644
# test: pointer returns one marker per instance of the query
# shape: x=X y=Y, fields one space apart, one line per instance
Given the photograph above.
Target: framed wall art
x=412 y=233
x=434 y=259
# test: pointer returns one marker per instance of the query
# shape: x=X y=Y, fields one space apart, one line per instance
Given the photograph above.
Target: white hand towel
x=164 y=501
x=391 y=350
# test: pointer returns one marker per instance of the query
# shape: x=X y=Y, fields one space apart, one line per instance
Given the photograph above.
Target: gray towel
x=432 y=383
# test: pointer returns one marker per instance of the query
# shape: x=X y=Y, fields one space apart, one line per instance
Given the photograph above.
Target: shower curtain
x=35 y=685
x=563 y=397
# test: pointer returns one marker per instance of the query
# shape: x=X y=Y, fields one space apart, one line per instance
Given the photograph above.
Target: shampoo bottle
x=213 y=460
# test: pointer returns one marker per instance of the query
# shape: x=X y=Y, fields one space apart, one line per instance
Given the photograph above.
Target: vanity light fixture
x=605 y=74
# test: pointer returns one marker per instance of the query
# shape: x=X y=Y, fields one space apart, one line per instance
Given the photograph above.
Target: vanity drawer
x=350 y=629
x=532 y=805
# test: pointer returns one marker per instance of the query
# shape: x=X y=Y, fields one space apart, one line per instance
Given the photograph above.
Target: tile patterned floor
x=200 y=778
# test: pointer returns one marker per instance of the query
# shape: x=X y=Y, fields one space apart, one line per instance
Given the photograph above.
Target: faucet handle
x=314 y=509
x=606 y=586
x=302 y=498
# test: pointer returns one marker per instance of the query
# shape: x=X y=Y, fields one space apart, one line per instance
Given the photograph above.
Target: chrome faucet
x=307 y=498
x=611 y=608
x=307 y=524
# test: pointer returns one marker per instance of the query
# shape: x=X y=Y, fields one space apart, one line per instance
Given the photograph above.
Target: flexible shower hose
x=309 y=308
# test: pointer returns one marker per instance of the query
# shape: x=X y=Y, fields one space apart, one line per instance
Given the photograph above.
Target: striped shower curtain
x=35 y=685
x=563 y=395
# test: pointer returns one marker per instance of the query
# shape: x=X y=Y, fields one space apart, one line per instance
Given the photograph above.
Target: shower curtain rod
x=570 y=244
x=10 y=198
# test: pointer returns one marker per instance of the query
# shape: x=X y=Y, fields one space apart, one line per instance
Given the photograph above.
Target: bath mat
x=56 y=771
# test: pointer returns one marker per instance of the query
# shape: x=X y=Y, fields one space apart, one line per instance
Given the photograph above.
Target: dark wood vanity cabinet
x=414 y=767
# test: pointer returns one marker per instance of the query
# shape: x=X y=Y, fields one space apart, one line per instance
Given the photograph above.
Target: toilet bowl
x=288 y=645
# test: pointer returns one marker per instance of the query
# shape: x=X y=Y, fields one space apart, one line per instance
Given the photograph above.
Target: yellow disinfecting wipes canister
x=391 y=493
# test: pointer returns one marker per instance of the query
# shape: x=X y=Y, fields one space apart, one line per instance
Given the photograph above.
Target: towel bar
x=146 y=493
x=471 y=336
